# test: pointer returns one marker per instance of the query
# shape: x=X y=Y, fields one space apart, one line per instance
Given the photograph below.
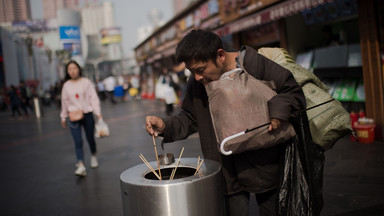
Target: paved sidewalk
x=37 y=161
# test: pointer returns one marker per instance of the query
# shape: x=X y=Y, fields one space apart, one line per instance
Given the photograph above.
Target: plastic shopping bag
x=101 y=129
x=301 y=180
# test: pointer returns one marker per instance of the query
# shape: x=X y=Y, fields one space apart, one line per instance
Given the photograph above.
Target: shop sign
x=189 y=21
x=154 y=58
x=213 y=7
x=166 y=46
x=329 y=11
x=147 y=47
x=139 y=52
x=263 y=34
x=196 y=17
x=110 y=35
x=222 y=32
x=233 y=9
x=152 y=44
x=206 y=10
x=211 y=23
x=170 y=50
x=69 y=34
x=73 y=48
x=276 y=12
x=182 y=26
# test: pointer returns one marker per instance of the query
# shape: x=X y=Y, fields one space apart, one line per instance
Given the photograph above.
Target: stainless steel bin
x=187 y=194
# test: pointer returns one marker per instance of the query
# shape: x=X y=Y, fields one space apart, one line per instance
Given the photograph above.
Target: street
x=37 y=164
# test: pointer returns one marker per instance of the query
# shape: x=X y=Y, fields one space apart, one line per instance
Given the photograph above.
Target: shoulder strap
x=240 y=60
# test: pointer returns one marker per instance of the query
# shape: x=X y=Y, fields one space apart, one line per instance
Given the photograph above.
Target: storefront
x=341 y=41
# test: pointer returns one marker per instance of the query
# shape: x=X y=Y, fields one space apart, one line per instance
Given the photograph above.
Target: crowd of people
x=19 y=99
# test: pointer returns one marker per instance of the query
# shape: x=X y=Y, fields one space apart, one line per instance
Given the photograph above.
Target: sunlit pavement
x=37 y=164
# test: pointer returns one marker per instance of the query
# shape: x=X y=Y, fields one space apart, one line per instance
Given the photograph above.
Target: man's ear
x=221 y=55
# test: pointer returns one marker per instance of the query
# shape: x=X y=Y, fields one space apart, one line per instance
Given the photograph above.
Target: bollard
x=36 y=103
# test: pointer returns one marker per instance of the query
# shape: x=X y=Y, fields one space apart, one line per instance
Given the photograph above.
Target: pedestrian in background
x=100 y=89
x=15 y=101
x=110 y=84
x=168 y=88
x=3 y=100
x=25 y=96
x=79 y=102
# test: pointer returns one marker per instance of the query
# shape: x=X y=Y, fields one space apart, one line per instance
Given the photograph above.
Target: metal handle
x=226 y=139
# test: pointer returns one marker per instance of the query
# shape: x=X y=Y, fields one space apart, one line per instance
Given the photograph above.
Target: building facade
x=14 y=10
x=50 y=7
x=102 y=50
x=341 y=41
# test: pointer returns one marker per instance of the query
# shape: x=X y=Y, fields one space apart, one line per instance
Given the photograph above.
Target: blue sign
x=69 y=33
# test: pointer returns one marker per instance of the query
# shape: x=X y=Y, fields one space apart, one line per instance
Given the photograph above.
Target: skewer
x=198 y=161
x=157 y=157
x=149 y=165
x=198 y=167
x=178 y=161
x=141 y=156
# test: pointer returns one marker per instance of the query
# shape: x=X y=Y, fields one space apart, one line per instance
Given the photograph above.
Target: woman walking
x=79 y=103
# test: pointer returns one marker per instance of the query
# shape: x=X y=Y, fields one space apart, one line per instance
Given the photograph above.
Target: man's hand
x=275 y=123
x=154 y=125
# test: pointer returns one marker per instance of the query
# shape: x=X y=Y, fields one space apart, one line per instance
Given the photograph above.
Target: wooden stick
x=157 y=157
x=149 y=165
x=198 y=167
x=198 y=161
x=178 y=161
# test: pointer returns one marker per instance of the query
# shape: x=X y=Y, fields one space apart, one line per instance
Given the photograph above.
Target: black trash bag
x=301 y=180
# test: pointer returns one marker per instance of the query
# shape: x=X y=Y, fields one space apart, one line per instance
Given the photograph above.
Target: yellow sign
x=110 y=35
x=111 y=39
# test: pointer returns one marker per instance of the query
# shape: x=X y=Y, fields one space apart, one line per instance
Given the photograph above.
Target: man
x=249 y=172
x=110 y=84
x=25 y=97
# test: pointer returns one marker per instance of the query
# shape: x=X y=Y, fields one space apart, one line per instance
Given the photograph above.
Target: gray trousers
x=238 y=204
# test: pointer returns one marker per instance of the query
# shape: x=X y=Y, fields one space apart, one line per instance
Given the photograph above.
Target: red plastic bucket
x=365 y=133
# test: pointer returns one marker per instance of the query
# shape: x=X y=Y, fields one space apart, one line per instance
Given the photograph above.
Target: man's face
x=205 y=72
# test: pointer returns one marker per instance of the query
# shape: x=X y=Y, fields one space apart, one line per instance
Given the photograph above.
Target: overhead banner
x=69 y=34
x=110 y=35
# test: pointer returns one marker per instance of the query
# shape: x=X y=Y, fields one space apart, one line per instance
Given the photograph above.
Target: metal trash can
x=187 y=194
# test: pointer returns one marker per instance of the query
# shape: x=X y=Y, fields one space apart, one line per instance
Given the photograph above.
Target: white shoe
x=94 y=162
x=80 y=171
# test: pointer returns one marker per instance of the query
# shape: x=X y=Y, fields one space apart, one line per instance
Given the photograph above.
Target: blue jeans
x=88 y=123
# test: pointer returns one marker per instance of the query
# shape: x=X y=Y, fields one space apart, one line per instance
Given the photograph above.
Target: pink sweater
x=79 y=94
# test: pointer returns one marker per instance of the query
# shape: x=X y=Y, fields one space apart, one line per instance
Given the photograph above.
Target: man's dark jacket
x=253 y=171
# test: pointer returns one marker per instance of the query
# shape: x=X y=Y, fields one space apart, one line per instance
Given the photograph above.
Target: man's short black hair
x=199 y=45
